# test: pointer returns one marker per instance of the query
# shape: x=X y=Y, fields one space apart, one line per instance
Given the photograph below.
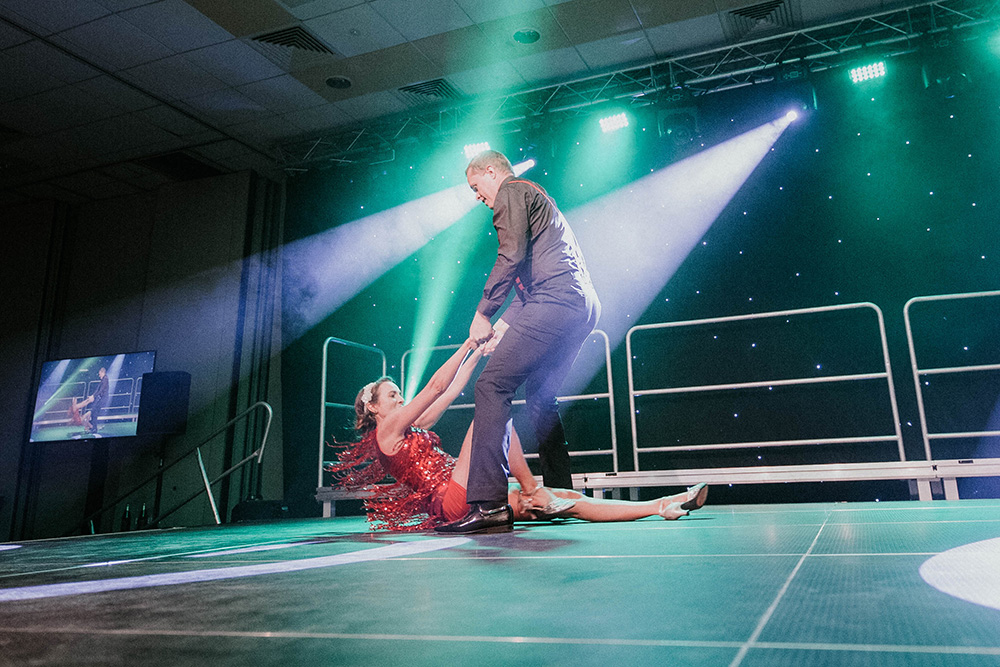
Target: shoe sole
x=698 y=501
x=478 y=531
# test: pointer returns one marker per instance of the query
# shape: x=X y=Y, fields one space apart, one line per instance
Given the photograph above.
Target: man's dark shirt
x=539 y=254
x=101 y=395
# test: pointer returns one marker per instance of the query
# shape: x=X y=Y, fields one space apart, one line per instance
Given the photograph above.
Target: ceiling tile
x=370 y=72
x=501 y=34
x=457 y=50
x=44 y=151
x=816 y=12
x=122 y=5
x=578 y=19
x=115 y=43
x=234 y=63
x=109 y=137
x=222 y=149
x=686 y=36
x=245 y=17
x=173 y=121
x=226 y=107
x=616 y=51
x=177 y=25
x=264 y=131
x=550 y=65
x=281 y=94
x=21 y=79
x=9 y=35
x=654 y=13
x=52 y=61
x=372 y=105
x=173 y=78
x=319 y=119
x=55 y=15
x=54 y=110
x=420 y=19
x=493 y=78
x=356 y=30
x=481 y=12
x=117 y=94
x=310 y=9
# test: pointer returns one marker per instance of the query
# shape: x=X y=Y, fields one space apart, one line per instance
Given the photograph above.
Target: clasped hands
x=482 y=333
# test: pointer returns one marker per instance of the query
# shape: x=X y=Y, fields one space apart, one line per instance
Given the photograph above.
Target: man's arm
x=510 y=218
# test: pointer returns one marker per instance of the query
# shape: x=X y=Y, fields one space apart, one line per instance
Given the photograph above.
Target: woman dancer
x=430 y=484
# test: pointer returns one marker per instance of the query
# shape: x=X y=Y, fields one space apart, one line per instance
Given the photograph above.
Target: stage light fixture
x=792 y=115
x=472 y=150
x=615 y=122
x=868 y=72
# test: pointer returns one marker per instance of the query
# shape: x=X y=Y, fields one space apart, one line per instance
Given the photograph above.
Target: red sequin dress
x=421 y=471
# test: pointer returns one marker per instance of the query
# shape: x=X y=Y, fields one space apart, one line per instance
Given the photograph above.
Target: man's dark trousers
x=538 y=351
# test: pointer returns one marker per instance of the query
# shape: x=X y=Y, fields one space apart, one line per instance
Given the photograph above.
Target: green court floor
x=905 y=583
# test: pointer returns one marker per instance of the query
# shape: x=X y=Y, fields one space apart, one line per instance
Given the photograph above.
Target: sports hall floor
x=809 y=584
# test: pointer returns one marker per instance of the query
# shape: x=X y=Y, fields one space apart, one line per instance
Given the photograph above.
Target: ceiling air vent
x=179 y=166
x=760 y=17
x=295 y=37
x=435 y=89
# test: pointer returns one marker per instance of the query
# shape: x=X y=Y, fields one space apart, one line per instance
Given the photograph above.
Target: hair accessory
x=366 y=393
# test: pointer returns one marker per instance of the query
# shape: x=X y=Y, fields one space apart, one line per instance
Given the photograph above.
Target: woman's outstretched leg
x=600 y=509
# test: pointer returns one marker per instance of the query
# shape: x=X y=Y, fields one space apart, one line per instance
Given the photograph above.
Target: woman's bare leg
x=461 y=472
x=515 y=459
x=601 y=509
x=519 y=465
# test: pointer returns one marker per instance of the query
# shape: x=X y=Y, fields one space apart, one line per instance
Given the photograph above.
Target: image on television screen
x=94 y=397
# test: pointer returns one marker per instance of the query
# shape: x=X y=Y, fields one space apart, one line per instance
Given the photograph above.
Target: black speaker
x=163 y=403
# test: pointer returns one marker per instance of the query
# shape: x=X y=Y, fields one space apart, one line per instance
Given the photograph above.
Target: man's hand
x=498 y=331
x=481 y=330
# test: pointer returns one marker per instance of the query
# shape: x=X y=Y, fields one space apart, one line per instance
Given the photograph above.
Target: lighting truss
x=787 y=54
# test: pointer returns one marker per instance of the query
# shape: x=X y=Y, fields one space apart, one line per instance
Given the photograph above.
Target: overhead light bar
x=472 y=150
x=612 y=123
x=868 y=72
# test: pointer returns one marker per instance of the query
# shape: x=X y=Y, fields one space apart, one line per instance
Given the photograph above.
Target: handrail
x=917 y=371
x=323 y=404
x=886 y=374
x=259 y=453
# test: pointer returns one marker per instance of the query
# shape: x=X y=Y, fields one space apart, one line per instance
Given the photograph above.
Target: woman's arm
x=437 y=408
x=392 y=429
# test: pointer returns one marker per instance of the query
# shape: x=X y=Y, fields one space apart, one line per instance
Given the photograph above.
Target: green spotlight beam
x=440 y=275
x=58 y=394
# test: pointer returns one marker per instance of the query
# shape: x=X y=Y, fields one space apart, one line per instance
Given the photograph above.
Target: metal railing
x=887 y=375
x=609 y=395
x=919 y=372
x=257 y=453
x=324 y=405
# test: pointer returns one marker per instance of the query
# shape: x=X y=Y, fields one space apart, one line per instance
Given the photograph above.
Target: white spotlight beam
x=636 y=237
x=324 y=271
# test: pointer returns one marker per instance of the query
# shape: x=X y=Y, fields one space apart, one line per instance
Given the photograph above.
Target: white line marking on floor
x=970 y=572
x=217 y=574
x=520 y=639
x=774 y=605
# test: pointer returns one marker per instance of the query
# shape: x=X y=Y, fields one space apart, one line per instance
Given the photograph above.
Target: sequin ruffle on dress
x=421 y=471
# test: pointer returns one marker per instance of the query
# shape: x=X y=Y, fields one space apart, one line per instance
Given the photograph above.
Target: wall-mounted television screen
x=93 y=397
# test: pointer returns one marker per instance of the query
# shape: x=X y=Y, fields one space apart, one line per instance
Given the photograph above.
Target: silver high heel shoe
x=553 y=508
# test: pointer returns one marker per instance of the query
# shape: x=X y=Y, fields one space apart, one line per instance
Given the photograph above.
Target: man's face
x=101 y=373
x=485 y=184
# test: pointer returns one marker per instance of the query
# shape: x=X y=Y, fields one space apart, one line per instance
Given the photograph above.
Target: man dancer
x=554 y=310
x=98 y=400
